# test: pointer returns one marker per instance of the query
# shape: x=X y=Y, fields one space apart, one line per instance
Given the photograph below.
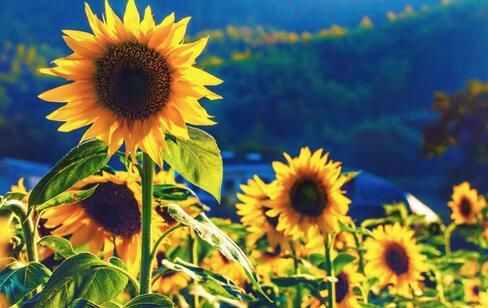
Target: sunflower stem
x=447 y=239
x=298 y=297
x=154 y=250
x=20 y=210
x=194 y=260
x=147 y=194
x=330 y=267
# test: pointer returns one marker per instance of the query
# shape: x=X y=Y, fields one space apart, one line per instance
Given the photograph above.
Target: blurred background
x=394 y=88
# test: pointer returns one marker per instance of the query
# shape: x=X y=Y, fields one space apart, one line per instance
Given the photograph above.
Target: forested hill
x=363 y=92
x=36 y=21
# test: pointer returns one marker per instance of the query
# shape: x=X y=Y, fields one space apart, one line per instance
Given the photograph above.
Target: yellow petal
x=132 y=18
x=201 y=77
x=66 y=92
x=147 y=23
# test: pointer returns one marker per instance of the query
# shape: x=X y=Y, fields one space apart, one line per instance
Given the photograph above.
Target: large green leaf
x=198 y=160
x=58 y=244
x=17 y=280
x=150 y=301
x=215 y=284
x=84 y=303
x=171 y=192
x=342 y=260
x=80 y=162
x=82 y=276
x=207 y=231
x=67 y=197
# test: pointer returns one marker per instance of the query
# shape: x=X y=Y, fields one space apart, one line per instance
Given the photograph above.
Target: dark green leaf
x=84 y=303
x=198 y=160
x=17 y=280
x=342 y=260
x=207 y=231
x=150 y=301
x=58 y=244
x=67 y=197
x=171 y=192
x=80 y=162
x=82 y=276
x=15 y=196
x=213 y=283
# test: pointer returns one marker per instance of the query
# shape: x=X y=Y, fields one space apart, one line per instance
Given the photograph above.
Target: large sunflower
x=111 y=215
x=466 y=204
x=394 y=258
x=253 y=207
x=133 y=81
x=309 y=199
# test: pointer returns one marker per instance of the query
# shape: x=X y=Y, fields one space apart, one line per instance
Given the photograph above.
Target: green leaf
x=58 y=244
x=17 y=280
x=80 y=162
x=82 y=276
x=311 y=282
x=342 y=260
x=171 y=192
x=84 y=303
x=15 y=196
x=213 y=283
x=149 y=301
x=207 y=231
x=67 y=197
x=198 y=160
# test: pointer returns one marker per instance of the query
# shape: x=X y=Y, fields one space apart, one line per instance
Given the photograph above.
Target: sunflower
x=111 y=215
x=470 y=268
x=133 y=81
x=345 y=297
x=271 y=263
x=170 y=282
x=466 y=204
x=347 y=279
x=309 y=197
x=471 y=290
x=394 y=258
x=253 y=207
x=218 y=263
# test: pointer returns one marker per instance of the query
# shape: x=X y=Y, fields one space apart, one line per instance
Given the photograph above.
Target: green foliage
x=82 y=276
x=150 y=301
x=58 y=245
x=80 y=162
x=18 y=280
x=198 y=160
x=67 y=197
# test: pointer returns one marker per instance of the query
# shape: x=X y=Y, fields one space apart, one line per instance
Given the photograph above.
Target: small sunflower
x=470 y=268
x=347 y=279
x=133 y=81
x=271 y=264
x=218 y=263
x=253 y=207
x=466 y=204
x=170 y=282
x=309 y=198
x=112 y=214
x=394 y=258
x=471 y=290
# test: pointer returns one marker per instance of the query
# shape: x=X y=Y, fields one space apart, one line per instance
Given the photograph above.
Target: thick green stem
x=298 y=297
x=330 y=270
x=154 y=251
x=28 y=230
x=147 y=194
x=447 y=239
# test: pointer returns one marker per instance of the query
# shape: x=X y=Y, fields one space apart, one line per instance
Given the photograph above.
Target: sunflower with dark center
x=253 y=207
x=472 y=290
x=111 y=212
x=133 y=81
x=393 y=256
x=466 y=204
x=309 y=200
x=347 y=279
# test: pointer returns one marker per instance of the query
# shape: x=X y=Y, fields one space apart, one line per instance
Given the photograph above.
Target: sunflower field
x=117 y=222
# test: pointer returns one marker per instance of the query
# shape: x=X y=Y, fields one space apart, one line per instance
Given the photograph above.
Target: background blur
x=391 y=87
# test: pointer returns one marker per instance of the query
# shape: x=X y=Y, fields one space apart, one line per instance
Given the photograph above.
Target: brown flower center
x=341 y=287
x=114 y=207
x=476 y=290
x=308 y=196
x=465 y=207
x=397 y=259
x=164 y=213
x=133 y=81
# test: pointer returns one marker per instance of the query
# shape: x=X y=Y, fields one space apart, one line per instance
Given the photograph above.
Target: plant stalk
x=147 y=197
x=28 y=230
x=330 y=267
